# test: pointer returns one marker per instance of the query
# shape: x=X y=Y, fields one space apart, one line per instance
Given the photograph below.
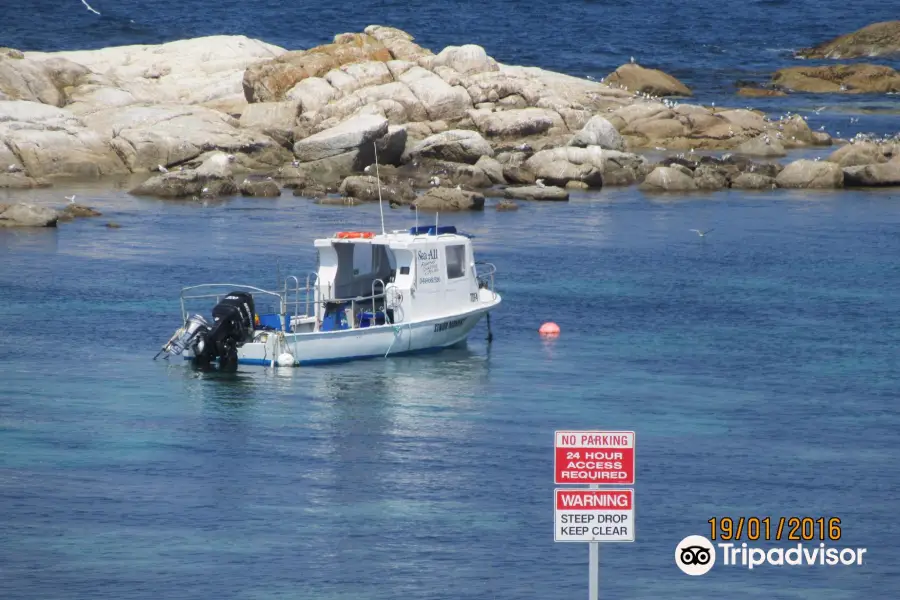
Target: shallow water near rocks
x=758 y=367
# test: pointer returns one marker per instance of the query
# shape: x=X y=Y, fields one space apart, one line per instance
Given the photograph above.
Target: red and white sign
x=594 y=515
x=594 y=457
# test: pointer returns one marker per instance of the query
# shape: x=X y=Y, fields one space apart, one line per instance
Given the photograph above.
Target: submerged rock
x=849 y=79
x=506 y=205
x=877 y=39
x=536 y=192
x=75 y=211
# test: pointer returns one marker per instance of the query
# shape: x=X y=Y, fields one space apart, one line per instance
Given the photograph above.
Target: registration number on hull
x=438 y=327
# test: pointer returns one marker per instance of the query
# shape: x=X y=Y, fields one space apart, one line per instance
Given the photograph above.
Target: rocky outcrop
x=214 y=177
x=763 y=146
x=593 y=166
x=860 y=154
x=350 y=136
x=269 y=81
x=365 y=189
x=454 y=145
x=668 y=179
x=259 y=187
x=848 y=79
x=448 y=199
x=147 y=136
x=811 y=174
x=877 y=39
x=202 y=71
x=875 y=175
x=45 y=140
x=635 y=78
x=27 y=215
x=753 y=181
x=598 y=132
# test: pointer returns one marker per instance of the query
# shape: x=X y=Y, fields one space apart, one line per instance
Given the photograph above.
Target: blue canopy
x=432 y=230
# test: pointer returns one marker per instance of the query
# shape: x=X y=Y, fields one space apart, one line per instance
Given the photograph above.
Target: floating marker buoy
x=286 y=359
x=549 y=328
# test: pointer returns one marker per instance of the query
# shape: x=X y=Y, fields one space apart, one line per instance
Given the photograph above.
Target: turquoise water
x=758 y=367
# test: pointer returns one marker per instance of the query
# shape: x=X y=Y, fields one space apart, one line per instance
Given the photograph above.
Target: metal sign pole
x=593 y=565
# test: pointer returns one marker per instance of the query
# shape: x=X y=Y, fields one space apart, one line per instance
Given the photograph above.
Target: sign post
x=594 y=515
x=594 y=567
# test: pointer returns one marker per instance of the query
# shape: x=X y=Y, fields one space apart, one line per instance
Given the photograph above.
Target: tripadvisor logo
x=695 y=555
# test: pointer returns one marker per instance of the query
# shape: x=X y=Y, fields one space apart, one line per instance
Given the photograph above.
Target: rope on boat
x=397 y=329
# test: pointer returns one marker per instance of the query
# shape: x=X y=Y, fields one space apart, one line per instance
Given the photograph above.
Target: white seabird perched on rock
x=162 y=169
x=540 y=183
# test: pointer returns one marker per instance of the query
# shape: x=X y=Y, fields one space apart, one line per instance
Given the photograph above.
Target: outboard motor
x=184 y=338
x=232 y=327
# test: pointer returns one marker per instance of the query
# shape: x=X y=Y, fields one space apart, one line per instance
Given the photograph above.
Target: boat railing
x=290 y=300
x=484 y=274
x=228 y=287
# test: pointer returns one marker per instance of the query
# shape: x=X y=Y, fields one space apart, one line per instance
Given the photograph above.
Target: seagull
x=632 y=58
x=540 y=183
x=71 y=199
x=89 y=7
x=162 y=169
x=702 y=233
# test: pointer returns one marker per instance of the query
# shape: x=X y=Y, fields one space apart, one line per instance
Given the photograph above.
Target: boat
x=371 y=295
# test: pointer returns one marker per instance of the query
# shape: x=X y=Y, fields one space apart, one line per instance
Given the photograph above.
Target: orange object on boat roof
x=345 y=235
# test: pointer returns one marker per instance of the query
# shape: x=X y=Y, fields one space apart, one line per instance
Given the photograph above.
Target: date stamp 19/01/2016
x=775 y=529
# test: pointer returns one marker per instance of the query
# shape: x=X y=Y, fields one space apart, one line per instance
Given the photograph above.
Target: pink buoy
x=549 y=328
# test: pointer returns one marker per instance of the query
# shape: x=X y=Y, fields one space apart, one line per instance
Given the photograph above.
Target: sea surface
x=758 y=365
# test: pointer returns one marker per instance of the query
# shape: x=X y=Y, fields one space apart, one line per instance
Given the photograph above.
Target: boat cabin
x=365 y=279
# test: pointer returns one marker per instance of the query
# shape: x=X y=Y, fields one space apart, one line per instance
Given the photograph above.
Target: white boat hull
x=429 y=335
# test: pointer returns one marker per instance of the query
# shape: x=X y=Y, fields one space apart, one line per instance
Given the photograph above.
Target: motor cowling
x=232 y=328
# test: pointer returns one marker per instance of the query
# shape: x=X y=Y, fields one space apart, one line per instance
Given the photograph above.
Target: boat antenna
x=378 y=183
x=416 y=206
x=436 y=215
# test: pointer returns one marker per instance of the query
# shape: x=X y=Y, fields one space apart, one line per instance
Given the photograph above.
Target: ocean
x=757 y=365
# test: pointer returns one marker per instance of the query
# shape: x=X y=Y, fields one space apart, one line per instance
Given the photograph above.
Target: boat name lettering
x=428 y=266
x=449 y=325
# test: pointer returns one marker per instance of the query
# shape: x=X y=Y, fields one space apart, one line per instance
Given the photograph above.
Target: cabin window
x=456 y=261
x=362 y=259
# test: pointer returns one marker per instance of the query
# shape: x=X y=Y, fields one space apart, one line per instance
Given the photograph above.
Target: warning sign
x=594 y=457
x=594 y=515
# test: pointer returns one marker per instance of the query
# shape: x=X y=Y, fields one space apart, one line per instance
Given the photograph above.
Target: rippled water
x=758 y=368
